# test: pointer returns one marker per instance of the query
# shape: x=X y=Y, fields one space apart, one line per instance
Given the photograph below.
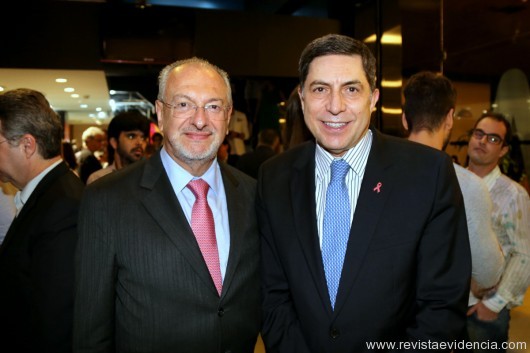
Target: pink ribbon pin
x=378 y=187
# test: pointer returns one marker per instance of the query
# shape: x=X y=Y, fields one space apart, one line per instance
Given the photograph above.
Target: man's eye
x=131 y=136
x=213 y=108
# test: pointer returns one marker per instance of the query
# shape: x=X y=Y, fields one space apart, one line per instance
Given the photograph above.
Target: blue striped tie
x=336 y=226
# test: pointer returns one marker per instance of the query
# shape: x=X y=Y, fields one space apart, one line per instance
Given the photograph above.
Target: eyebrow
x=185 y=96
x=347 y=83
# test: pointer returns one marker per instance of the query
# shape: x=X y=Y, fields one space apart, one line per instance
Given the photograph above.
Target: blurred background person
x=296 y=130
x=7 y=207
x=489 y=319
x=268 y=146
x=238 y=132
x=128 y=133
x=87 y=161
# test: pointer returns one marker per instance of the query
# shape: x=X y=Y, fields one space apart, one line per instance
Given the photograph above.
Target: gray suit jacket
x=142 y=284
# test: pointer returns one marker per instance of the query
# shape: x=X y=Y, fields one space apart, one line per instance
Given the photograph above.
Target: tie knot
x=199 y=188
x=339 y=169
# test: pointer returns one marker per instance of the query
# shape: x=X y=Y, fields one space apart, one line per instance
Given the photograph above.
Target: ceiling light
x=84 y=106
x=74 y=95
x=391 y=83
x=69 y=89
x=61 y=80
x=112 y=92
x=2 y=88
x=391 y=110
x=98 y=109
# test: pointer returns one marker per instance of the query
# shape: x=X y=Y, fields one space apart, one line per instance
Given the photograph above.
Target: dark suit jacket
x=37 y=268
x=142 y=284
x=250 y=162
x=407 y=267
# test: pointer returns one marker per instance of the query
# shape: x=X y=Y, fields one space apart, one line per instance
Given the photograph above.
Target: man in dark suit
x=267 y=147
x=377 y=255
x=37 y=255
x=146 y=280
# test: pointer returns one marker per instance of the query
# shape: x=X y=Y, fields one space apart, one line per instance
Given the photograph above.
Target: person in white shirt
x=238 y=132
x=489 y=318
x=428 y=112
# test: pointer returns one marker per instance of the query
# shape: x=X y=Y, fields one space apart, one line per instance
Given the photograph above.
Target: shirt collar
x=492 y=177
x=22 y=196
x=356 y=157
x=180 y=177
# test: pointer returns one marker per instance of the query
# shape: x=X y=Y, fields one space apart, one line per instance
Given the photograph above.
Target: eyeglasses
x=182 y=110
x=494 y=139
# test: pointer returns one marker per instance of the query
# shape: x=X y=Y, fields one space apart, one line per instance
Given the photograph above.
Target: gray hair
x=164 y=74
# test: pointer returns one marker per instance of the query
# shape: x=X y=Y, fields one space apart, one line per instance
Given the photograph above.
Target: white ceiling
x=90 y=85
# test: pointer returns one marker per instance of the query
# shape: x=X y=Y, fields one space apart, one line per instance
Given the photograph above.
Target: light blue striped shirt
x=179 y=178
x=356 y=158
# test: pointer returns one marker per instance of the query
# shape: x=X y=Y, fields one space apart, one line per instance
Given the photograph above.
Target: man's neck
x=432 y=139
x=481 y=170
x=36 y=168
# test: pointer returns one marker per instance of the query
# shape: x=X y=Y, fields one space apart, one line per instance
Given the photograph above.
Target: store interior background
x=483 y=46
x=103 y=45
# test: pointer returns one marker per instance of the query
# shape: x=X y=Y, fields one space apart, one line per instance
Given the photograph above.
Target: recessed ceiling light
x=2 y=88
x=61 y=80
x=98 y=109
x=84 y=105
x=74 y=95
x=69 y=89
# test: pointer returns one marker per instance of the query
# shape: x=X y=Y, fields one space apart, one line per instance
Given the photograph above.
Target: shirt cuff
x=495 y=303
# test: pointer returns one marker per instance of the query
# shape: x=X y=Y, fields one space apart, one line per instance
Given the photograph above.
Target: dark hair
x=296 y=130
x=507 y=140
x=268 y=137
x=126 y=121
x=428 y=99
x=336 y=44
x=69 y=155
x=26 y=111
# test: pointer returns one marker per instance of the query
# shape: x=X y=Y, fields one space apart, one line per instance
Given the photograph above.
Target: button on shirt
x=179 y=178
x=357 y=157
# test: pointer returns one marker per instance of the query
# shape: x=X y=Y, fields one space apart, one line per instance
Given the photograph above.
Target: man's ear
x=404 y=121
x=504 y=150
x=114 y=143
x=28 y=143
x=449 y=119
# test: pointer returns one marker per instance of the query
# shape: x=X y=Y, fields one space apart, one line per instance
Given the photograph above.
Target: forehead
x=337 y=67
x=195 y=78
x=492 y=126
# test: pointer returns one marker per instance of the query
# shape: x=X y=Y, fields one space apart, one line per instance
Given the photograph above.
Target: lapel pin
x=378 y=187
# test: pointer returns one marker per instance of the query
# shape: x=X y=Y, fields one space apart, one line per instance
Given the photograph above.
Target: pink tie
x=204 y=229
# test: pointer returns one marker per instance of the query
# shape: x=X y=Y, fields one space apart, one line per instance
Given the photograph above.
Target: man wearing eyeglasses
x=490 y=316
x=170 y=263
x=127 y=138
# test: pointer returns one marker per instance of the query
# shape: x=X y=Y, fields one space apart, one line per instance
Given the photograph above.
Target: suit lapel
x=367 y=214
x=162 y=204
x=302 y=189
x=236 y=224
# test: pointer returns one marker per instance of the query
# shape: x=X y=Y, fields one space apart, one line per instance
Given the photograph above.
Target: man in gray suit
x=145 y=281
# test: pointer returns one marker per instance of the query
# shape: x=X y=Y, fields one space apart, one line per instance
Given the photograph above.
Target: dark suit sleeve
x=52 y=277
x=280 y=329
x=443 y=264
x=95 y=278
